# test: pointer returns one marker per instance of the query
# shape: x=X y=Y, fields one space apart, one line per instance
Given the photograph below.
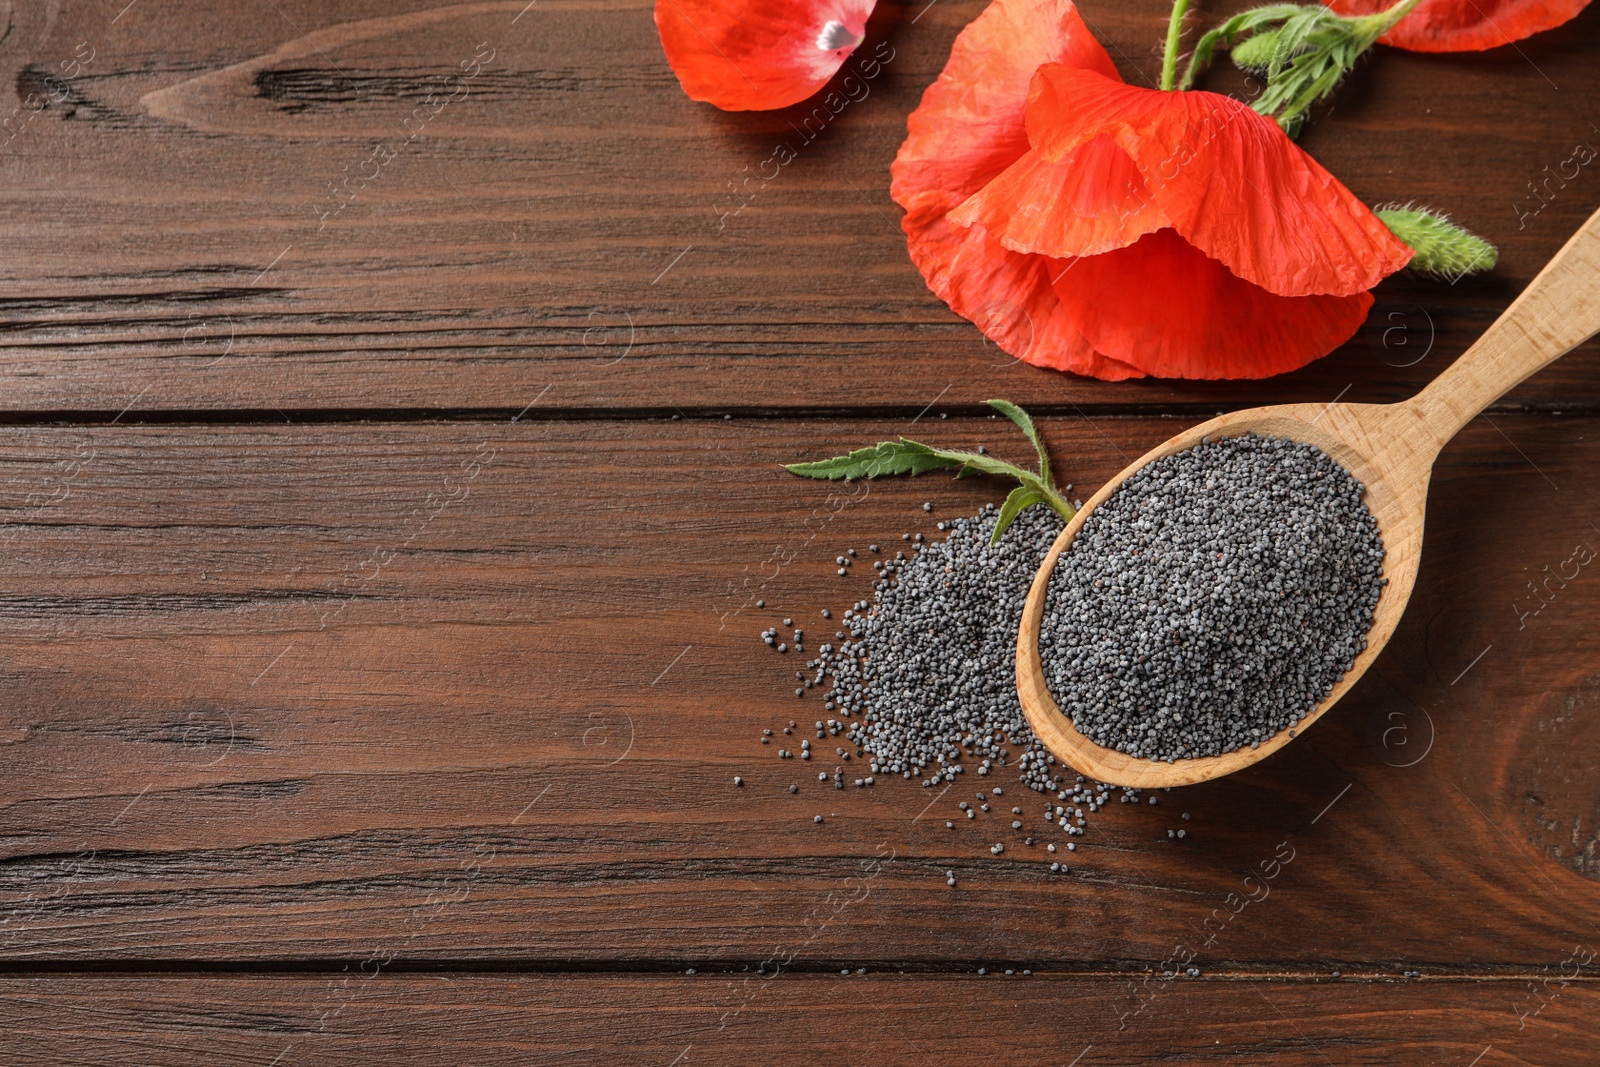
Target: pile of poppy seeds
x=930 y=667
x=1213 y=600
x=924 y=679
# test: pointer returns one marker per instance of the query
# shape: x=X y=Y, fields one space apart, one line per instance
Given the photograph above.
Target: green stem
x=1169 y=59
x=1058 y=503
x=1371 y=27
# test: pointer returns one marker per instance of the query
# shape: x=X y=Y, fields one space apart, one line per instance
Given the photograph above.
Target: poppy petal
x=970 y=124
x=1467 y=25
x=969 y=128
x=1092 y=201
x=1230 y=180
x=751 y=56
x=1007 y=295
x=1169 y=309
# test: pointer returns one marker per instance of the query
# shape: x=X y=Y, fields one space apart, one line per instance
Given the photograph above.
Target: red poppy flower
x=751 y=55
x=1097 y=227
x=1466 y=25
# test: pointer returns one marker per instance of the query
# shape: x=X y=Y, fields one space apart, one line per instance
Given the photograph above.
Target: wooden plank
x=478 y=691
x=369 y=1016
x=560 y=222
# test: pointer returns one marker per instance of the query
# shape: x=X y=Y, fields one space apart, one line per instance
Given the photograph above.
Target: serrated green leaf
x=1025 y=422
x=1019 y=499
x=885 y=457
x=906 y=456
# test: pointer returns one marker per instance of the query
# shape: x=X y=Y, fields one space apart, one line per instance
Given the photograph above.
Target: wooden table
x=394 y=403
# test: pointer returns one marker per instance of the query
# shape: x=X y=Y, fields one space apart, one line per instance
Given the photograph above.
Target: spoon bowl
x=1389 y=448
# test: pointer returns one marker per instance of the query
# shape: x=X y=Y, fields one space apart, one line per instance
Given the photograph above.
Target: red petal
x=1092 y=201
x=970 y=125
x=750 y=55
x=1467 y=25
x=1007 y=295
x=1230 y=180
x=968 y=128
x=1168 y=309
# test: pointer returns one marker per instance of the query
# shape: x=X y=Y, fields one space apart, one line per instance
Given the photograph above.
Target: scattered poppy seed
x=737 y=780
x=923 y=676
x=818 y=819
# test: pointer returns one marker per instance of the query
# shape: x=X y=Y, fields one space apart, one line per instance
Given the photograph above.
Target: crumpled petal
x=752 y=55
x=1092 y=201
x=967 y=130
x=1466 y=25
x=1006 y=295
x=1167 y=308
x=1230 y=180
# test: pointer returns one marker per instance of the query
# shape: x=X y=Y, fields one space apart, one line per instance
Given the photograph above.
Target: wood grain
x=566 y=225
x=478 y=691
x=366 y=1016
x=365 y=612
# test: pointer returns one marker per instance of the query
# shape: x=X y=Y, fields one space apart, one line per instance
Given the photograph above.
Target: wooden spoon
x=1389 y=447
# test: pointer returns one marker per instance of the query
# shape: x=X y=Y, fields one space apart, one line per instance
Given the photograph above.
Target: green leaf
x=906 y=456
x=1442 y=248
x=1020 y=498
x=1303 y=52
x=885 y=457
x=1025 y=422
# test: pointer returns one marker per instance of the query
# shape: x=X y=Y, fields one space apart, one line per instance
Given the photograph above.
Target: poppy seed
x=1213 y=600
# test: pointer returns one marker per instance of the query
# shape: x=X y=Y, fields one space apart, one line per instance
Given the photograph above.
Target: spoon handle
x=1559 y=310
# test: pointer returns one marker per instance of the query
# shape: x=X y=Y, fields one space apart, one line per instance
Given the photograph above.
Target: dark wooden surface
x=378 y=600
